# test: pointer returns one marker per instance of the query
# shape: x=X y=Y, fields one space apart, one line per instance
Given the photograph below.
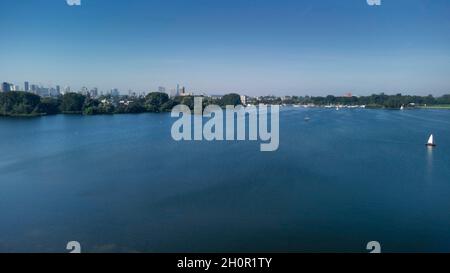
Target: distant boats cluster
x=331 y=106
x=431 y=141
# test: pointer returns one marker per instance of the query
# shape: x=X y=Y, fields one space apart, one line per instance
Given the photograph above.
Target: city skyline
x=268 y=48
x=56 y=89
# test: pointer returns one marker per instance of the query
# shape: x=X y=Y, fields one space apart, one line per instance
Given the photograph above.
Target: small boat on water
x=307 y=119
x=431 y=142
x=402 y=108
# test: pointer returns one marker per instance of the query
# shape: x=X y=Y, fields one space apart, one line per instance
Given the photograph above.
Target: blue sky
x=256 y=47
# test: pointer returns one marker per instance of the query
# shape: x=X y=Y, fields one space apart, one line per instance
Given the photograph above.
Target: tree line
x=376 y=100
x=28 y=104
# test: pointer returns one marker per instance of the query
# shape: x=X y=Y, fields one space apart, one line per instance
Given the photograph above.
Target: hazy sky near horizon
x=254 y=47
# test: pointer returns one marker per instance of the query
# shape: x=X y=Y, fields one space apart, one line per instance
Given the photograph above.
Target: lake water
x=121 y=184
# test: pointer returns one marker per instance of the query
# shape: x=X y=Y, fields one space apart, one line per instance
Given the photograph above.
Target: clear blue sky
x=280 y=47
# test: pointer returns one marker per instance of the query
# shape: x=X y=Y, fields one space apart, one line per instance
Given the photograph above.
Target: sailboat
x=402 y=108
x=431 y=142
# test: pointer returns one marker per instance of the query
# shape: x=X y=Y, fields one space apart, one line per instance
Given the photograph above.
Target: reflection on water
x=429 y=173
x=430 y=151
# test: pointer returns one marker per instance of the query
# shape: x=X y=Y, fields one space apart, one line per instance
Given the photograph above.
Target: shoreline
x=28 y=105
x=349 y=107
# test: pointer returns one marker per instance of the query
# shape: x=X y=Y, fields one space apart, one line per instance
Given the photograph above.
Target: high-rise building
x=115 y=92
x=6 y=87
x=182 y=92
x=26 y=87
x=94 y=92
x=44 y=92
x=53 y=92
x=34 y=89
x=58 y=89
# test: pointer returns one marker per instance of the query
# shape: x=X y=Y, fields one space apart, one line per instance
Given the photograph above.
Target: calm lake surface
x=121 y=184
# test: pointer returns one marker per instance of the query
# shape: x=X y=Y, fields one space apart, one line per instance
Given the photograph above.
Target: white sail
x=431 y=140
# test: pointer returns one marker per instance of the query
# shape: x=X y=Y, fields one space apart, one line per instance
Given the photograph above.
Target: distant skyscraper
x=58 y=89
x=94 y=92
x=53 y=92
x=162 y=89
x=6 y=87
x=34 y=88
x=26 y=86
x=115 y=92
x=44 y=91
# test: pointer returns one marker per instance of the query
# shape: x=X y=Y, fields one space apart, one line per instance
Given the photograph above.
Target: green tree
x=49 y=106
x=185 y=100
x=19 y=103
x=135 y=107
x=91 y=106
x=72 y=103
x=231 y=99
x=154 y=101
